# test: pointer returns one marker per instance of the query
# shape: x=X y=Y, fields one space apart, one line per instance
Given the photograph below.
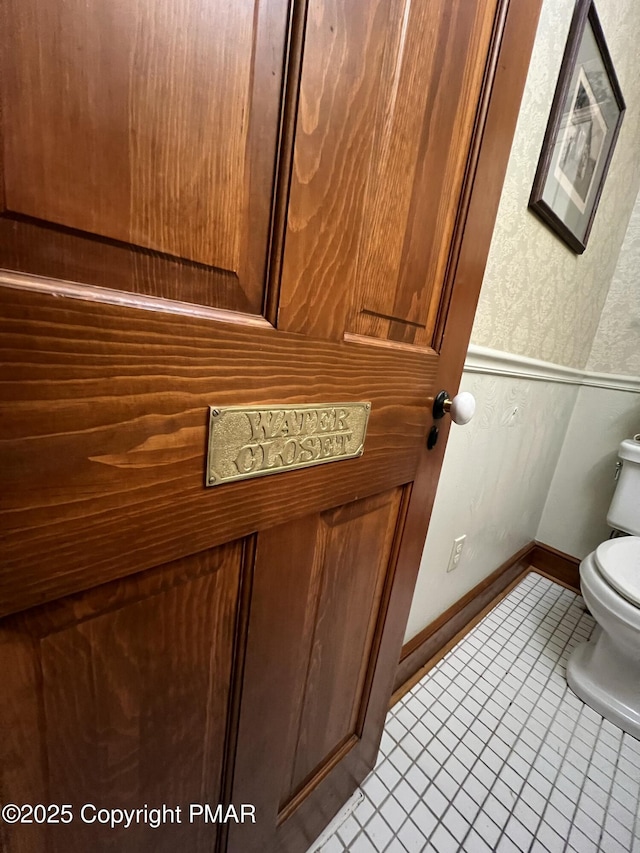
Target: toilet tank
x=624 y=512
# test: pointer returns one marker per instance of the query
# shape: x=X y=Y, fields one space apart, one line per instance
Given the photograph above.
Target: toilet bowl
x=605 y=671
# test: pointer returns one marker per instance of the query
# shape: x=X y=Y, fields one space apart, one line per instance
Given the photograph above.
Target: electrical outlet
x=456 y=552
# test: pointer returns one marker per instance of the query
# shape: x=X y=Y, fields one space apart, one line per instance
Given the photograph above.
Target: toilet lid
x=619 y=563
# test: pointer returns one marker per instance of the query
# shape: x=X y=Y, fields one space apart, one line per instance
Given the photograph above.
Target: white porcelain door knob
x=462 y=408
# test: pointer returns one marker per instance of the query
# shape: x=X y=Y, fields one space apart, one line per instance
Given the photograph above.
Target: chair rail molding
x=486 y=360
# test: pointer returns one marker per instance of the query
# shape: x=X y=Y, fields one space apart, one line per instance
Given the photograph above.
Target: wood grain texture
x=327 y=589
x=397 y=115
x=430 y=88
x=503 y=92
x=118 y=697
x=105 y=407
x=340 y=75
x=104 y=435
x=557 y=565
x=141 y=142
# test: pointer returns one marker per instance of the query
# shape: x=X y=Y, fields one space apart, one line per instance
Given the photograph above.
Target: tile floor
x=492 y=750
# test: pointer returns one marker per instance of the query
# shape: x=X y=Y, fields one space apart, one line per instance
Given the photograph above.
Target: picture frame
x=583 y=127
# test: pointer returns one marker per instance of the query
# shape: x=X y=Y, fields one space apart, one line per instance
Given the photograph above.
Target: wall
x=616 y=346
x=545 y=318
x=574 y=516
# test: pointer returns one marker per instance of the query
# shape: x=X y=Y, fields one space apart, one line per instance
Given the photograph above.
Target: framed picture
x=583 y=127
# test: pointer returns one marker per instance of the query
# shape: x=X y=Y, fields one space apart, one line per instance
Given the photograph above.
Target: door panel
x=117 y=698
x=387 y=101
x=139 y=144
x=174 y=171
x=329 y=589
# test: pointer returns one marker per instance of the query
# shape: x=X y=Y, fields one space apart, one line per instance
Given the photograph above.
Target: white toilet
x=605 y=671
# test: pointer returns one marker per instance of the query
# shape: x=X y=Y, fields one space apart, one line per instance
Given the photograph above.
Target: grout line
x=490 y=712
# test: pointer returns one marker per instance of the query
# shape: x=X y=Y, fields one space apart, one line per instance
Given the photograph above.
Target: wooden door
x=212 y=204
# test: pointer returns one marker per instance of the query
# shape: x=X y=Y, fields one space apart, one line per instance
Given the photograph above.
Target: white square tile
x=446 y=784
x=362 y=844
x=465 y=756
x=506 y=845
x=569 y=781
x=595 y=792
x=474 y=843
x=622 y=814
x=456 y=769
x=587 y=824
x=395 y=729
x=527 y=816
x=436 y=801
x=580 y=842
x=446 y=737
x=556 y=820
x=411 y=745
x=466 y=805
x=552 y=842
x=379 y=832
x=619 y=793
x=438 y=751
x=455 y=823
x=333 y=845
x=417 y=779
x=411 y=837
x=475 y=789
x=429 y=765
x=534 y=799
x=617 y=830
x=348 y=830
x=496 y=810
x=487 y=775
x=400 y=760
x=608 y=844
x=519 y=834
x=374 y=789
x=363 y=812
x=496 y=753
x=405 y=795
x=424 y=819
x=388 y=774
x=443 y=841
x=487 y=829
x=394 y=814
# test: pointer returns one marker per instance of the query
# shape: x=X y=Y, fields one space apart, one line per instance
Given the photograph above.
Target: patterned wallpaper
x=616 y=346
x=539 y=299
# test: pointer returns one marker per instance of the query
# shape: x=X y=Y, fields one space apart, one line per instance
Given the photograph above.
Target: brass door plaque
x=253 y=441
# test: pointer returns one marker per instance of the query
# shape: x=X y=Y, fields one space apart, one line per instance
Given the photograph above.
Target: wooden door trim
x=557 y=565
x=514 y=49
x=456 y=619
x=127 y=299
x=428 y=646
x=294 y=50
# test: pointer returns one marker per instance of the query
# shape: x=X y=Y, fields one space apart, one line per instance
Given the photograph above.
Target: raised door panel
x=119 y=698
x=139 y=143
x=317 y=612
x=388 y=107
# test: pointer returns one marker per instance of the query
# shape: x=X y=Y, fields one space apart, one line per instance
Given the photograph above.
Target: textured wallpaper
x=616 y=346
x=538 y=298
x=495 y=478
